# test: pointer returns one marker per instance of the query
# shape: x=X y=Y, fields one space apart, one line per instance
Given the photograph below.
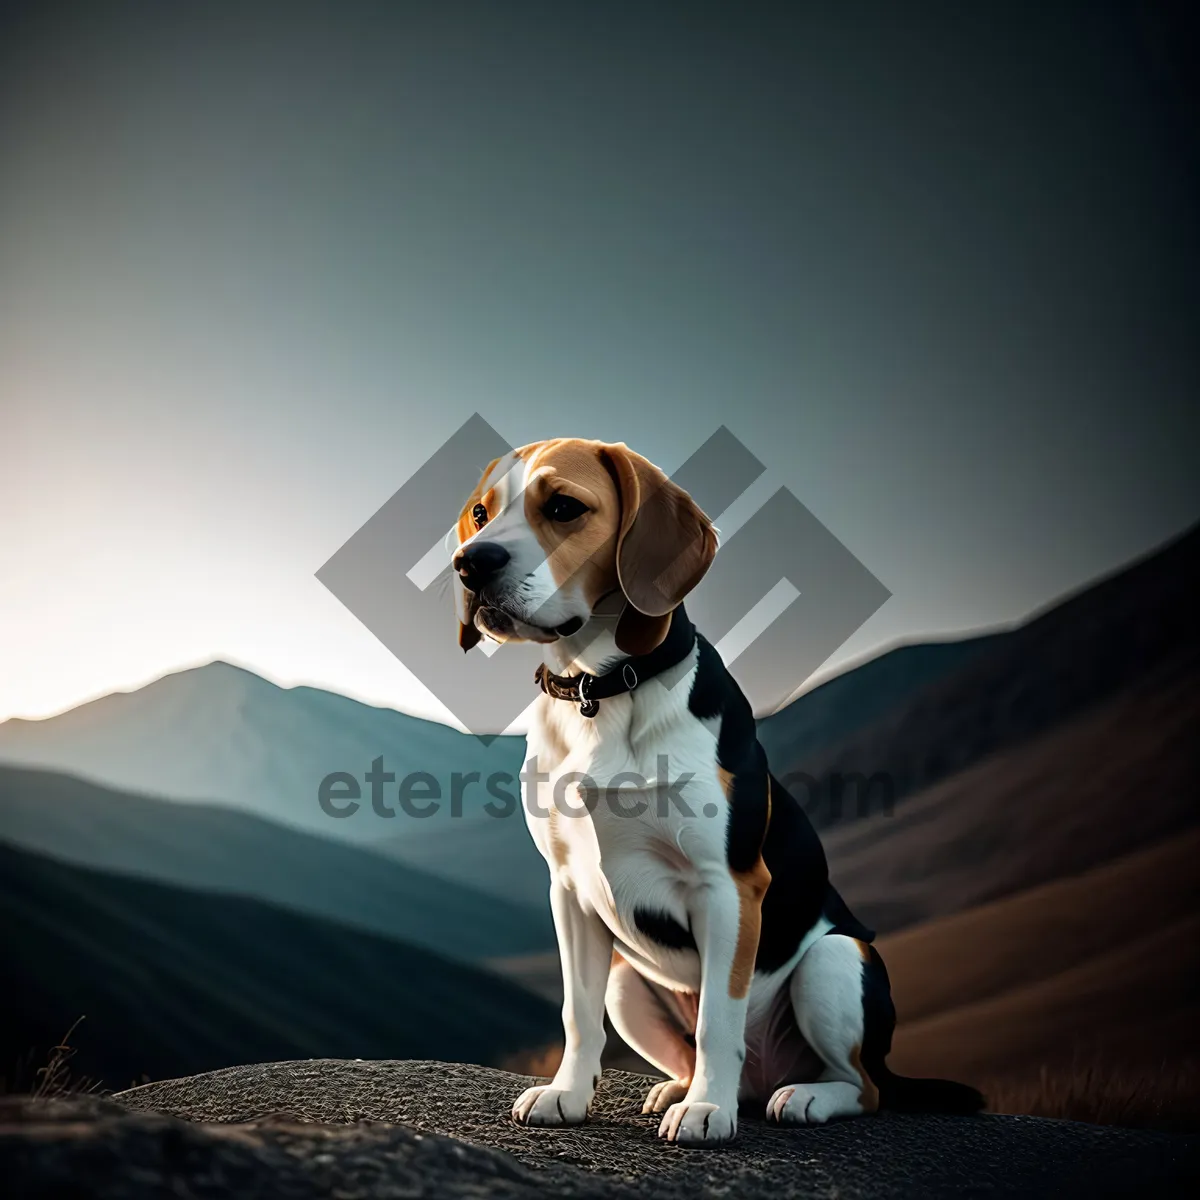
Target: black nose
x=478 y=563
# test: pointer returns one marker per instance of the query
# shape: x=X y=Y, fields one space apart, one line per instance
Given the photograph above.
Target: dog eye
x=480 y=514
x=561 y=507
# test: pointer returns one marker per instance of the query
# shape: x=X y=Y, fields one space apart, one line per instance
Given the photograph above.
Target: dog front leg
x=725 y=923
x=585 y=946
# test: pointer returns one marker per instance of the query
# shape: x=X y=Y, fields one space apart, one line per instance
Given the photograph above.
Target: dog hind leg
x=841 y=1017
x=654 y=1022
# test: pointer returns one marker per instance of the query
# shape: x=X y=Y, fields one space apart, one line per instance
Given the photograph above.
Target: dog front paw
x=547 y=1105
x=698 y=1123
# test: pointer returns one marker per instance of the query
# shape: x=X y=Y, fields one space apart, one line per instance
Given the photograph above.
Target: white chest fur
x=628 y=811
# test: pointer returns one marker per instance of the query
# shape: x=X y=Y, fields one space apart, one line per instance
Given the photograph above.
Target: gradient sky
x=936 y=264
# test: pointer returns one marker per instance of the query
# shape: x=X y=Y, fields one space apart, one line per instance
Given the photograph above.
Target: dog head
x=555 y=528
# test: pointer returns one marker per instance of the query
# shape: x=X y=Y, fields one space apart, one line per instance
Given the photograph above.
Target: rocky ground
x=409 y=1129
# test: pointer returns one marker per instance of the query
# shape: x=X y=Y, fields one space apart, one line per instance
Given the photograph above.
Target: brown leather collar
x=588 y=690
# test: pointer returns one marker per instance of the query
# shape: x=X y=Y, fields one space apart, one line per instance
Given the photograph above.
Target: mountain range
x=221 y=734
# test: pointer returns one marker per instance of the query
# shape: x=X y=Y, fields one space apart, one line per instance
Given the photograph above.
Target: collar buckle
x=587 y=706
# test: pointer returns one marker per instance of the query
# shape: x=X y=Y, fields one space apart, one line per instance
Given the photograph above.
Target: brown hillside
x=1120 y=776
x=1041 y=933
x=1137 y=1004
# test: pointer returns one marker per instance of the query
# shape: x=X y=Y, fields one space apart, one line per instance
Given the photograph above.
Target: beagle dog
x=690 y=894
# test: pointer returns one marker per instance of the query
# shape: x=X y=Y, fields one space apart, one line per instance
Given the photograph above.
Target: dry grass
x=1167 y=1098
x=53 y=1080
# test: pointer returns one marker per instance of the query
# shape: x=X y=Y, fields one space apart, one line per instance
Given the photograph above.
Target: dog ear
x=665 y=544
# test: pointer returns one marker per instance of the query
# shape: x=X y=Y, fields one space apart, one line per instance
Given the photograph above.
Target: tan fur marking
x=863 y=948
x=583 y=551
x=726 y=778
x=752 y=886
x=466 y=522
x=558 y=847
x=868 y=1097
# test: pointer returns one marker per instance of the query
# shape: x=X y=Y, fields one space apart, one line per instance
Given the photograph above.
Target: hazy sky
x=936 y=264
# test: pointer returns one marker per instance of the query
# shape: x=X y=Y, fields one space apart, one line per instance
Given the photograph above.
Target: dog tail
x=899 y=1093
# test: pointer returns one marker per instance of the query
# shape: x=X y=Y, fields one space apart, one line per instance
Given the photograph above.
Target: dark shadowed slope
x=855 y=699
x=1023 y=683
x=173 y=981
x=205 y=846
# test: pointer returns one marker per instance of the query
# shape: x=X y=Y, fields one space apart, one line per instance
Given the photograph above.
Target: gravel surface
x=393 y=1129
